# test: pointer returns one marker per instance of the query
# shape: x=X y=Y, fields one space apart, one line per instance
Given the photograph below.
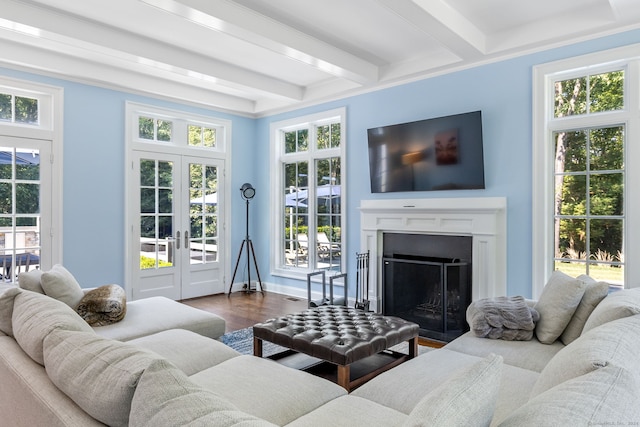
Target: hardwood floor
x=241 y=309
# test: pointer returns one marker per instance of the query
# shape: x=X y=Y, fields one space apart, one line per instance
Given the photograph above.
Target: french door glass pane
x=19 y=211
x=156 y=214
x=203 y=213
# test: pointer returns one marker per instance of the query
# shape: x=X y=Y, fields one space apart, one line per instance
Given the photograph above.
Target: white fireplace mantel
x=482 y=218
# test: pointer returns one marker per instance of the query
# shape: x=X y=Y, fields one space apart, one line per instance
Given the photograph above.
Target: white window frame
x=49 y=128
x=544 y=124
x=277 y=262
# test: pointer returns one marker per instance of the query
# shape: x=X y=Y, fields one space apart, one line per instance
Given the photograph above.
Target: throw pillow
x=559 y=300
x=619 y=304
x=6 y=310
x=608 y=396
x=467 y=399
x=100 y=375
x=166 y=396
x=103 y=306
x=60 y=284
x=594 y=293
x=616 y=342
x=31 y=281
x=35 y=316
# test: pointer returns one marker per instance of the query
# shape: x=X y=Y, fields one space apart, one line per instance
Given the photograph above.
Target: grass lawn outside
x=605 y=273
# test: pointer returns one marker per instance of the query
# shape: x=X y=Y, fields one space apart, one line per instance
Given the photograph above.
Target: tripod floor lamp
x=247 y=192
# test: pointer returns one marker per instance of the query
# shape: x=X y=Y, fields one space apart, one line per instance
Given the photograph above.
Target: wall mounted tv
x=443 y=153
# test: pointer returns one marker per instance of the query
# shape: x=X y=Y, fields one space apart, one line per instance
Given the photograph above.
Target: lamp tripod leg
x=235 y=270
x=256 y=265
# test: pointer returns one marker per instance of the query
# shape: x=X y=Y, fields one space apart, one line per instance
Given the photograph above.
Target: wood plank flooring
x=241 y=309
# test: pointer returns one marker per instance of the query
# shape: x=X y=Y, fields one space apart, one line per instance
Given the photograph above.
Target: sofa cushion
x=194 y=354
x=606 y=396
x=166 y=397
x=155 y=314
x=594 y=293
x=617 y=305
x=267 y=389
x=35 y=316
x=468 y=398
x=103 y=305
x=559 y=300
x=6 y=310
x=616 y=342
x=351 y=411
x=100 y=375
x=523 y=354
x=60 y=284
x=31 y=281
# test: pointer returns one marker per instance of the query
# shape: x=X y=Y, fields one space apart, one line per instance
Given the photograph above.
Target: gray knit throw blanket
x=505 y=318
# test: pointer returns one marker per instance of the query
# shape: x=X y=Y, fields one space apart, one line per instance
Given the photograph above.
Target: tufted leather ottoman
x=340 y=335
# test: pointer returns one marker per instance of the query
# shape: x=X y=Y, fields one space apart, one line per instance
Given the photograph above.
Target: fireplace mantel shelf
x=483 y=218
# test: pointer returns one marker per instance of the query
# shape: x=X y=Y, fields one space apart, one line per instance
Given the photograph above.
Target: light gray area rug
x=242 y=341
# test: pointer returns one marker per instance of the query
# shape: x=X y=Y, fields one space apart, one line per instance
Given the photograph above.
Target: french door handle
x=186 y=240
x=177 y=240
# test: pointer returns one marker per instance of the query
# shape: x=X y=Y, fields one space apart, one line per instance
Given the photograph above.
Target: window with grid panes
x=310 y=174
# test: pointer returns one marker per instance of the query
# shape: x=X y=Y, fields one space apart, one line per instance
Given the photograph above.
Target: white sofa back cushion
x=608 y=395
x=619 y=304
x=99 y=374
x=36 y=315
x=166 y=396
x=6 y=310
x=616 y=342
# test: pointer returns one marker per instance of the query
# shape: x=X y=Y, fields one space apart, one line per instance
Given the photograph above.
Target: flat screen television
x=443 y=153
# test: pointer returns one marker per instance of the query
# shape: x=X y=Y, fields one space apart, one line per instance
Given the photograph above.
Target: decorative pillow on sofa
x=166 y=396
x=559 y=300
x=60 y=284
x=35 y=316
x=6 y=310
x=608 y=396
x=616 y=342
x=100 y=375
x=31 y=281
x=594 y=293
x=467 y=399
x=619 y=304
x=103 y=306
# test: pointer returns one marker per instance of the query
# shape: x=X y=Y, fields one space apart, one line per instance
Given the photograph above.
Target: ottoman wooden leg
x=344 y=376
x=257 y=347
x=413 y=347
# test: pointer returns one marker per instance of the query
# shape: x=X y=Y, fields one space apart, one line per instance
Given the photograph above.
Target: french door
x=25 y=205
x=178 y=232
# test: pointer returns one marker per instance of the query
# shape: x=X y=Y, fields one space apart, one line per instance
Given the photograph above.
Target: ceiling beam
x=250 y=26
x=42 y=23
x=443 y=23
x=29 y=58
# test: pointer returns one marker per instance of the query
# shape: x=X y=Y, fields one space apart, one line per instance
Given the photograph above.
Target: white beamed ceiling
x=258 y=57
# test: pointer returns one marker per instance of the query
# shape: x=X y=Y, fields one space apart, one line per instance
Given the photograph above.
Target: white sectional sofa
x=56 y=371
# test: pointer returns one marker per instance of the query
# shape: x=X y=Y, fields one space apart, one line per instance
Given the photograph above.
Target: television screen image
x=443 y=153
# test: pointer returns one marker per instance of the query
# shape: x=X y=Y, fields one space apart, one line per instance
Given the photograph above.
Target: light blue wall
x=503 y=92
x=94 y=152
x=93 y=186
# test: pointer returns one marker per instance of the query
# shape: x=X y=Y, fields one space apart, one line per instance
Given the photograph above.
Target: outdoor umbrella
x=209 y=199
x=324 y=192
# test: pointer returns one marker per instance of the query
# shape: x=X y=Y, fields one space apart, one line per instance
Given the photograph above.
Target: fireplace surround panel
x=483 y=219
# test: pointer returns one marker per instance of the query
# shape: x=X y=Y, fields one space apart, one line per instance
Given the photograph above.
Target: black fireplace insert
x=432 y=291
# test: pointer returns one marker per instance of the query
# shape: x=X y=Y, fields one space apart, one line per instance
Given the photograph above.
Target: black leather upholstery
x=337 y=334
